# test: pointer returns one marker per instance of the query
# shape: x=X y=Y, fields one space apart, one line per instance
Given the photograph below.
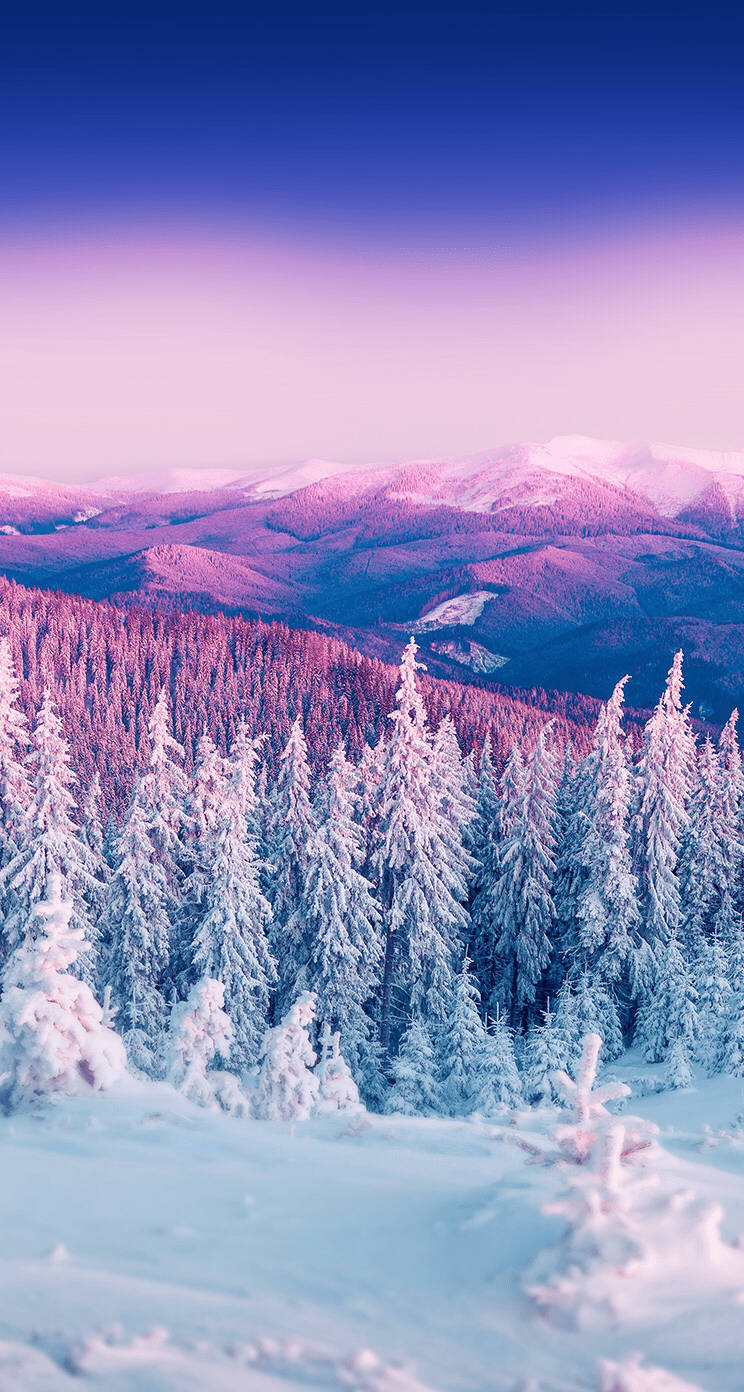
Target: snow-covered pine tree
x=287 y=1088
x=137 y=915
x=461 y=1047
x=496 y=1081
x=714 y=1003
x=452 y=796
x=340 y=921
x=547 y=1049
x=728 y=927
x=668 y=1014
x=199 y=1030
x=704 y=866
x=570 y=826
x=207 y=786
x=421 y=891
x=91 y=819
x=732 y=799
x=292 y=823
x=337 y=1091
x=523 y=898
x=607 y=911
x=484 y=842
x=15 y=793
x=415 y=1090
x=163 y=792
x=665 y=774
x=53 y=1037
x=595 y=1012
x=231 y=940
x=51 y=843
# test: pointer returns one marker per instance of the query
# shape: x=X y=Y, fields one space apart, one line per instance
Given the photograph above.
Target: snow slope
x=150 y=1245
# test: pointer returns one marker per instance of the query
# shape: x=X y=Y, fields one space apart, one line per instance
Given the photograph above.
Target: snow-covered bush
x=199 y=1030
x=337 y=1091
x=54 y=1038
x=286 y=1088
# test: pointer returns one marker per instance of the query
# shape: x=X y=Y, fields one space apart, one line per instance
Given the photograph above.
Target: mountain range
x=561 y=565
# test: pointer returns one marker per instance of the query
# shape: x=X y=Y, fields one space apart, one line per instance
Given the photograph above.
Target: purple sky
x=245 y=233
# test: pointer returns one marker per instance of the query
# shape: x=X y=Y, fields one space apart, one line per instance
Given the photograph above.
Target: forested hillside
x=105 y=667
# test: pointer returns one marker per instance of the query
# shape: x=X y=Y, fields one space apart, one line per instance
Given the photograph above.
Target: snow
x=150 y=1244
x=462 y=610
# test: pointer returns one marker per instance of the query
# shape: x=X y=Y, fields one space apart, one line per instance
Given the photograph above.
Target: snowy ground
x=150 y=1245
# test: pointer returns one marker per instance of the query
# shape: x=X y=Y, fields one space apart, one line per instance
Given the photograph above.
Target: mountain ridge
x=597 y=558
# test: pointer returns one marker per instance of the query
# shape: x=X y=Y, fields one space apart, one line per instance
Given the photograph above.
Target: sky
x=238 y=234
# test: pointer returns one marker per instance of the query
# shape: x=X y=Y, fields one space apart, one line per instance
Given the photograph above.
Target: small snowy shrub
x=54 y=1038
x=337 y=1091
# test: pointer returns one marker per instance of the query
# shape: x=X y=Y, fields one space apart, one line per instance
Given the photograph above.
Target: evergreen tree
x=291 y=825
x=595 y=1012
x=665 y=775
x=715 y=1002
x=607 y=912
x=422 y=891
x=462 y=1045
x=414 y=1091
x=137 y=912
x=703 y=870
x=287 y=1089
x=53 y=1035
x=732 y=796
x=91 y=821
x=51 y=843
x=547 y=1050
x=337 y=1091
x=485 y=844
x=340 y=920
x=496 y=1081
x=163 y=792
x=668 y=1014
x=231 y=940
x=199 y=1030
x=15 y=793
x=523 y=892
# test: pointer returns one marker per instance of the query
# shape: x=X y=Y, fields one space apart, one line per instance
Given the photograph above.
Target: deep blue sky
x=450 y=123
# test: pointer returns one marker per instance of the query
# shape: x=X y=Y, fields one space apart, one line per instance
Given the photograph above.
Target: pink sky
x=199 y=351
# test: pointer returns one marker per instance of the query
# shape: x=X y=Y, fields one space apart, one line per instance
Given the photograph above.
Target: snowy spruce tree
x=461 y=1047
x=15 y=792
x=523 y=897
x=715 y=1002
x=415 y=1090
x=340 y=919
x=706 y=865
x=287 y=1087
x=138 y=911
x=163 y=793
x=665 y=775
x=497 y=1085
x=500 y=808
x=199 y=1032
x=51 y=843
x=231 y=942
x=607 y=911
x=54 y=1039
x=422 y=891
x=291 y=825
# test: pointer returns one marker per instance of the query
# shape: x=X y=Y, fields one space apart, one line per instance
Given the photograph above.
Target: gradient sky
x=233 y=234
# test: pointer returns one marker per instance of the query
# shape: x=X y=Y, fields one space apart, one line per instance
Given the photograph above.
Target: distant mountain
x=560 y=565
